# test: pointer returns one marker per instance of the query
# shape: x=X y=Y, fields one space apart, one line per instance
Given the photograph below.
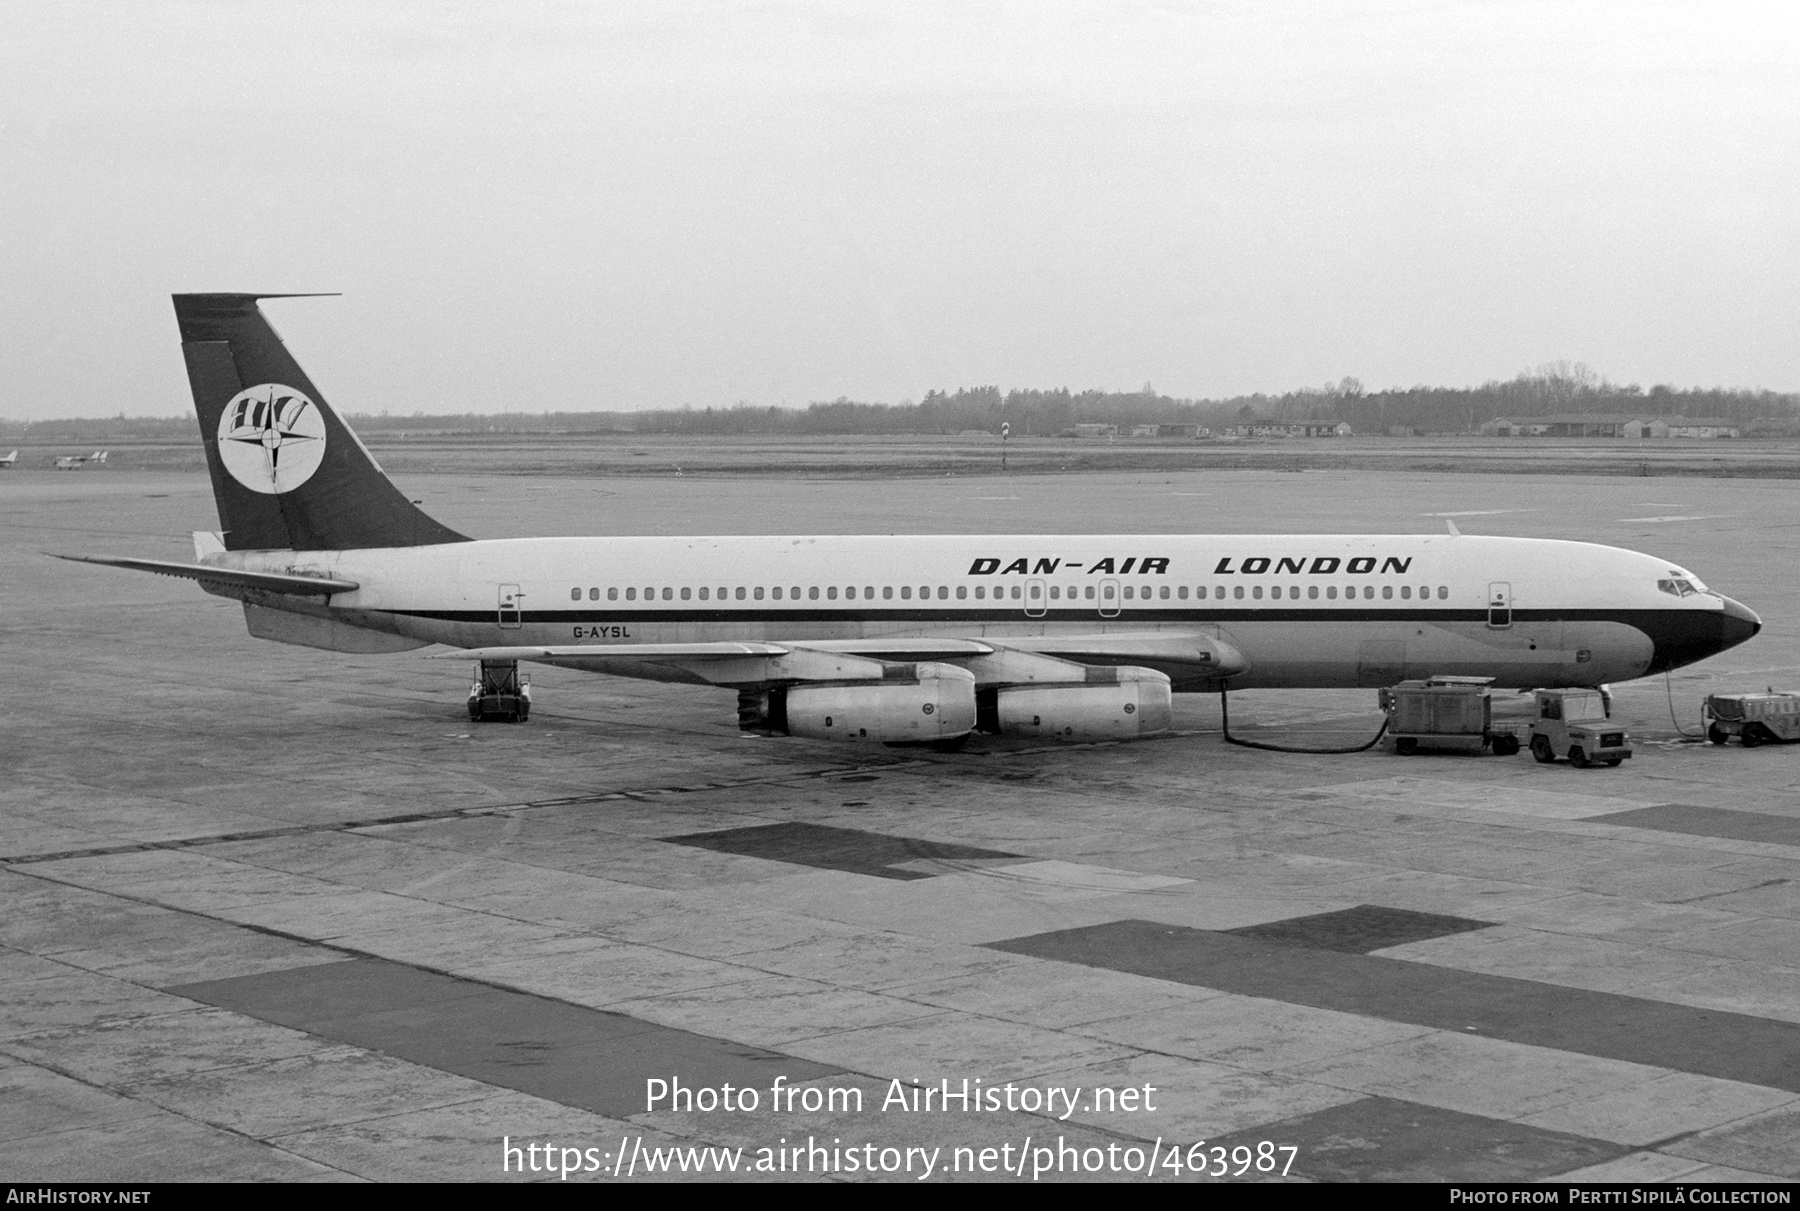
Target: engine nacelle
x=1134 y=703
x=926 y=703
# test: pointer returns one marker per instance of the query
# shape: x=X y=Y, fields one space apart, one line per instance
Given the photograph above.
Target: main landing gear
x=499 y=693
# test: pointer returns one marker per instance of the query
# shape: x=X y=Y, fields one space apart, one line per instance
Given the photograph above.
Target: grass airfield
x=272 y=913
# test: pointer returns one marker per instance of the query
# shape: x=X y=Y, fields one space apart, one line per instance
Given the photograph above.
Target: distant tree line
x=1558 y=387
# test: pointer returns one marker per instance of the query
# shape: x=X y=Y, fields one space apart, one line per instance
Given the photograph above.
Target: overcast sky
x=588 y=206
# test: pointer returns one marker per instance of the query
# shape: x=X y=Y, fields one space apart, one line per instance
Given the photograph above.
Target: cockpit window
x=1678 y=586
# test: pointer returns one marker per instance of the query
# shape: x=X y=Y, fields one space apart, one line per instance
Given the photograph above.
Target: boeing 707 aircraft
x=892 y=638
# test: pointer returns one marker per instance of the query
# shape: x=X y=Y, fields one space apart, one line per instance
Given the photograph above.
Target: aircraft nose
x=1737 y=624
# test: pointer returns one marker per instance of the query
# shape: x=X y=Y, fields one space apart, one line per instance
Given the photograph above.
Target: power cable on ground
x=1669 y=689
x=1225 y=725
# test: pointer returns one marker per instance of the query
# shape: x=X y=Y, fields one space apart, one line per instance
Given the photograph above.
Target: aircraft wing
x=722 y=663
x=225 y=578
x=1158 y=649
x=726 y=663
x=577 y=655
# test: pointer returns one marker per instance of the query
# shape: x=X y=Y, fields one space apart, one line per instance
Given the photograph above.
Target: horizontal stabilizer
x=225 y=578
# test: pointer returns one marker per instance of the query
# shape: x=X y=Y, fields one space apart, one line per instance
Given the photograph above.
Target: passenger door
x=1499 y=607
x=509 y=607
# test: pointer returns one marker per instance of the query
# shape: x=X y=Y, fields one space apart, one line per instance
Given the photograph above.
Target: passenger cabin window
x=887 y=592
x=813 y=593
x=774 y=592
x=630 y=594
x=686 y=594
x=612 y=594
x=703 y=592
x=906 y=592
x=758 y=593
x=574 y=594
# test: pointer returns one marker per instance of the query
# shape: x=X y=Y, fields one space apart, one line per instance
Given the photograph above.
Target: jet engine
x=918 y=704
x=1132 y=704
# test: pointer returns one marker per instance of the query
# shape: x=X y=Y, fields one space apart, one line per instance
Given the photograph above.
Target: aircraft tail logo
x=271 y=438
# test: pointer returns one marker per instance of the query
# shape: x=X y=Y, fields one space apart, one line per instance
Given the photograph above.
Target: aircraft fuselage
x=1304 y=610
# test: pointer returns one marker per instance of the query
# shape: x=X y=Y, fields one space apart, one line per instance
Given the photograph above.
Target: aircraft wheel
x=1540 y=748
x=1505 y=746
x=1406 y=747
x=1717 y=734
x=1578 y=757
x=1614 y=762
x=1751 y=735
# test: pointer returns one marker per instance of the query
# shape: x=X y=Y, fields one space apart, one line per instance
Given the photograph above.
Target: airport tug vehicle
x=1447 y=713
x=1753 y=718
x=499 y=693
x=1575 y=723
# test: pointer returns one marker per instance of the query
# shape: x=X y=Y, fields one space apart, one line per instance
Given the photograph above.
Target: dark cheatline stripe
x=1708 y=822
x=1381 y=1139
x=827 y=848
x=973 y=613
x=1708 y=1042
x=1359 y=930
x=586 y=1058
x=959 y=612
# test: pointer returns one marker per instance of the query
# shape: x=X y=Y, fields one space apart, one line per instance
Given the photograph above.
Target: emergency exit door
x=1109 y=599
x=1499 y=604
x=509 y=607
x=1036 y=598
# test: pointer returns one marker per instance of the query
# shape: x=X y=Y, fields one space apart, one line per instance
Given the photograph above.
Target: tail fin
x=287 y=472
